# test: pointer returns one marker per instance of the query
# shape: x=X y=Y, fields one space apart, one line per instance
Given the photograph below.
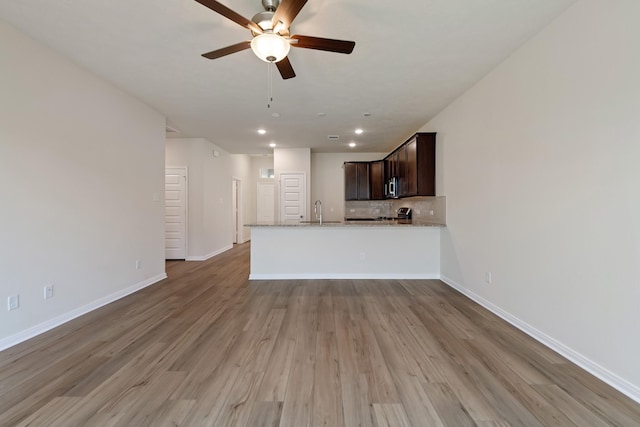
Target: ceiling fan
x=271 y=38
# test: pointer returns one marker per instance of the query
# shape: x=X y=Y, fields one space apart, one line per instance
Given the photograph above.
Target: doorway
x=236 y=210
x=175 y=213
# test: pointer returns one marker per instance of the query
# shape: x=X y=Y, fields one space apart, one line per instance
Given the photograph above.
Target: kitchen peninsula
x=345 y=250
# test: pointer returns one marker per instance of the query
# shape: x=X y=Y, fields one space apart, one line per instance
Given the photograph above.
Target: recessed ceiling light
x=262 y=131
x=359 y=131
x=276 y=115
x=272 y=145
x=352 y=144
x=321 y=114
x=366 y=114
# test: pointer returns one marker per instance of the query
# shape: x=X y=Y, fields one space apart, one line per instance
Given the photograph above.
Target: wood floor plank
x=356 y=406
x=350 y=346
x=391 y=415
x=417 y=404
x=577 y=413
x=38 y=389
x=512 y=379
x=265 y=414
x=449 y=408
x=48 y=414
x=276 y=378
x=172 y=413
x=298 y=402
x=207 y=347
x=327 y=393
x=240 y=400
x=360 y=353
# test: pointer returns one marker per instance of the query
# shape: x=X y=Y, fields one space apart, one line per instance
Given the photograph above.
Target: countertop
x=373 y=223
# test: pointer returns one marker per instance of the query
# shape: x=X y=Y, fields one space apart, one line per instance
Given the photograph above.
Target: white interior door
x=266 y=213
x=175 y=213
x=234 y=207
x=293 y=198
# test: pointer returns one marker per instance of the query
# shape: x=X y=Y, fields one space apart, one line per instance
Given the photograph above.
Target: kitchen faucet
x=317 y=211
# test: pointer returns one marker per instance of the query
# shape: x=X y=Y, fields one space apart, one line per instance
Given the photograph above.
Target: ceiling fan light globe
x=270 y=47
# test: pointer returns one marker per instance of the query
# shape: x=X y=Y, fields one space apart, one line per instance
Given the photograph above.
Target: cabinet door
x=376 y=179
x=363 y=181
x=411 y=149
x=350 y=181
x=426 y=161
x=401 y=170
x=388 y=172
x=356 y=181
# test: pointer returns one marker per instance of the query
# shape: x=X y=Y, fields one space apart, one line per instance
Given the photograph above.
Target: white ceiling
x=412 y=58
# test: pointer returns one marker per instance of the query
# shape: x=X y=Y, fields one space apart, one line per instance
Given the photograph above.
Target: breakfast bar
x=345 y=250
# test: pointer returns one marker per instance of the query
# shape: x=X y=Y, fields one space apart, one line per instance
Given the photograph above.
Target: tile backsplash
x=428 y=209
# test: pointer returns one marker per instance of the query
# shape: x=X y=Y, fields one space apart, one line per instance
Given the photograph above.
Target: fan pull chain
x=269 y=84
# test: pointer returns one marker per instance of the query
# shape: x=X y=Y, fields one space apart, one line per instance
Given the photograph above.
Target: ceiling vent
x=333 y=137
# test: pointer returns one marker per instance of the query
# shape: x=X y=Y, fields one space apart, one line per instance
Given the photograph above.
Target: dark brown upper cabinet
x=421 y=165
x=356 y=181
x=376 y=179
x=413 y=164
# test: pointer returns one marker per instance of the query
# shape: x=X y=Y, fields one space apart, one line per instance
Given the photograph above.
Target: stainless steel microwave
x=391 y=187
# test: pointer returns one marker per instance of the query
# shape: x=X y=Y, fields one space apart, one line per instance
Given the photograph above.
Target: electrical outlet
x=363 y=256
x=138 y=263
x=487 y=277
x=48 y=291
x=13 y=302
x=431 y=212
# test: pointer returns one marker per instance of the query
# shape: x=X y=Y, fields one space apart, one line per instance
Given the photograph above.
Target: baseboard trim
x=43 y=327
x=623 y=386
x=341 y=276
x=210 y=255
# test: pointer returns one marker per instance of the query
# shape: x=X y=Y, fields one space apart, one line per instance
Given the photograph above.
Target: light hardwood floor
x=207 y=347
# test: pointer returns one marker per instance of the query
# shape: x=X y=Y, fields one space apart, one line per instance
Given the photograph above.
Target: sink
x=318 y=222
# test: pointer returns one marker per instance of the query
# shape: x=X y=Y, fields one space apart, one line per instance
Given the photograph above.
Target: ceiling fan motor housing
x=270 y=5
x=264 y=20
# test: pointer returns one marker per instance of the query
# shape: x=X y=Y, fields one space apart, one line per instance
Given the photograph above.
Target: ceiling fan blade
x=230 y=14
x=285 y=68
x=287 y=12
x=227 y=50
x=330 y=45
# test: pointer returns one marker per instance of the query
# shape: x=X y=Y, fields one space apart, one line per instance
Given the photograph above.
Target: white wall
x=327 y=180
x=81 y=163
x=210 y=227
x=257 y=163
x=539 y=164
